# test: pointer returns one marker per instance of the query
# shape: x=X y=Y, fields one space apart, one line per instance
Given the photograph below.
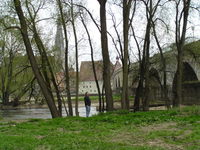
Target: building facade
x=87 y=80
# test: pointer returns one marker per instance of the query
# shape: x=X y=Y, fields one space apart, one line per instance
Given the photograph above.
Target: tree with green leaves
x=14 y=67
x=41 y=81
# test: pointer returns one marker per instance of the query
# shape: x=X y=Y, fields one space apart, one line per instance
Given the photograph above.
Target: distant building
x=87 y=81
x=117 y=77
x=60 y=77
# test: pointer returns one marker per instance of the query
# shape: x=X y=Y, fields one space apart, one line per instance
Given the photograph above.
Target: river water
x=39 y=113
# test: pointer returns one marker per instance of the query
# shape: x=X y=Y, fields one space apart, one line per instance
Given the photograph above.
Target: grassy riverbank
x=115 y=98
x=119 y=130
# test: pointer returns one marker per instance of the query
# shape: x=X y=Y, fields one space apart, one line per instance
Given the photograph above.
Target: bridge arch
x=155 y=85
x=189 y=76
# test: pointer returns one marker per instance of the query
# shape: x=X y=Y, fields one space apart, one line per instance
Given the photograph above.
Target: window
x=119 y=82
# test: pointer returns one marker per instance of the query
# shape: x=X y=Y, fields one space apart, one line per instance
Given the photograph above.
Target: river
x=42 y=113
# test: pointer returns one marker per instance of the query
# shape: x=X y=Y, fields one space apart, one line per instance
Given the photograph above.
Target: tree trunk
x=146 y=49
x=106 y=58
x=37 y=73
x=180 y=41
x=140 y=87
x=150 y=11
x=93 y=64
x=179 y=76
x=126 y=12
x=164 y=87
x=46 y=65
x=6 y=80
x=66 y=59
x=103 y=99
x=5 y=97
x=77 y=66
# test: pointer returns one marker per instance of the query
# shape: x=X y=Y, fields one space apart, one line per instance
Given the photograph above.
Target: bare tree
x=63 y=21
x=76 y=51
x=163 y=61
x=150 y=12
x=180 y=33
x=139 y=89
x=151 y=9
x=126 y=25
x=93 y=64
x=106 y=58
x=96 y=24
x=46 y=66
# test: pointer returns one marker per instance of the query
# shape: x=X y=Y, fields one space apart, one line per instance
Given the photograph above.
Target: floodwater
x=38 y=113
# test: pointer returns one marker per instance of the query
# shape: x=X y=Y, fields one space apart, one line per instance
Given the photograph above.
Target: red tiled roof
x=117 y=65
x=86 y=70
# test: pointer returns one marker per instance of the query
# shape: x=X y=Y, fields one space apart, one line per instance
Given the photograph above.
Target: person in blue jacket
x=87 y=104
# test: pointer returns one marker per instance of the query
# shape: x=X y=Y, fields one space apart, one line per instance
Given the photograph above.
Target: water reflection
x=43 y=113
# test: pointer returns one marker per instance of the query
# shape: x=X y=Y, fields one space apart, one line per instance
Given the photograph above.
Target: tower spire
x=59 y=43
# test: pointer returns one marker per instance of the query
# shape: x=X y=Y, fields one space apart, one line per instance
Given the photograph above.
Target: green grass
x=115 y=98
x=120 y=130
x=81 y=98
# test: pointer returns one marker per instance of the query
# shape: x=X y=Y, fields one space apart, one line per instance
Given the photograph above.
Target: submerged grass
x=120 y=130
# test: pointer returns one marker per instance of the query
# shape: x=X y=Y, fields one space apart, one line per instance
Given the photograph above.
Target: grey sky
x=139 y=24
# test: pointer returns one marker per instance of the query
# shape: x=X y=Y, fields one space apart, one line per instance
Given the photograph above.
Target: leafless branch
x=94 y=21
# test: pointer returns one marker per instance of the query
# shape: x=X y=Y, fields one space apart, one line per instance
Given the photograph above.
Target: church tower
x=59 y=44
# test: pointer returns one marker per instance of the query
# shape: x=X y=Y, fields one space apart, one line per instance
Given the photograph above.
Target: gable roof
x=117 y=66
x=86 y=70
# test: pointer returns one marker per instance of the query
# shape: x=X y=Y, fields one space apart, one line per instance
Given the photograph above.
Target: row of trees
x=124 y=38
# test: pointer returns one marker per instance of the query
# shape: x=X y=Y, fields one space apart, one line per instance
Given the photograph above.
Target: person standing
x=87 y=104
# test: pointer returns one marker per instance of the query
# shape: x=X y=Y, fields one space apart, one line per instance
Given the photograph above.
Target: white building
x=87 y=81
x=117 y=77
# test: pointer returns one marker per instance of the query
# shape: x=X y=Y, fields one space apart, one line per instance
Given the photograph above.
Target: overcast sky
x=139 y=23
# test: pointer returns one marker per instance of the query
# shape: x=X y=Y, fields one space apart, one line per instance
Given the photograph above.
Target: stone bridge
x=191 y=74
